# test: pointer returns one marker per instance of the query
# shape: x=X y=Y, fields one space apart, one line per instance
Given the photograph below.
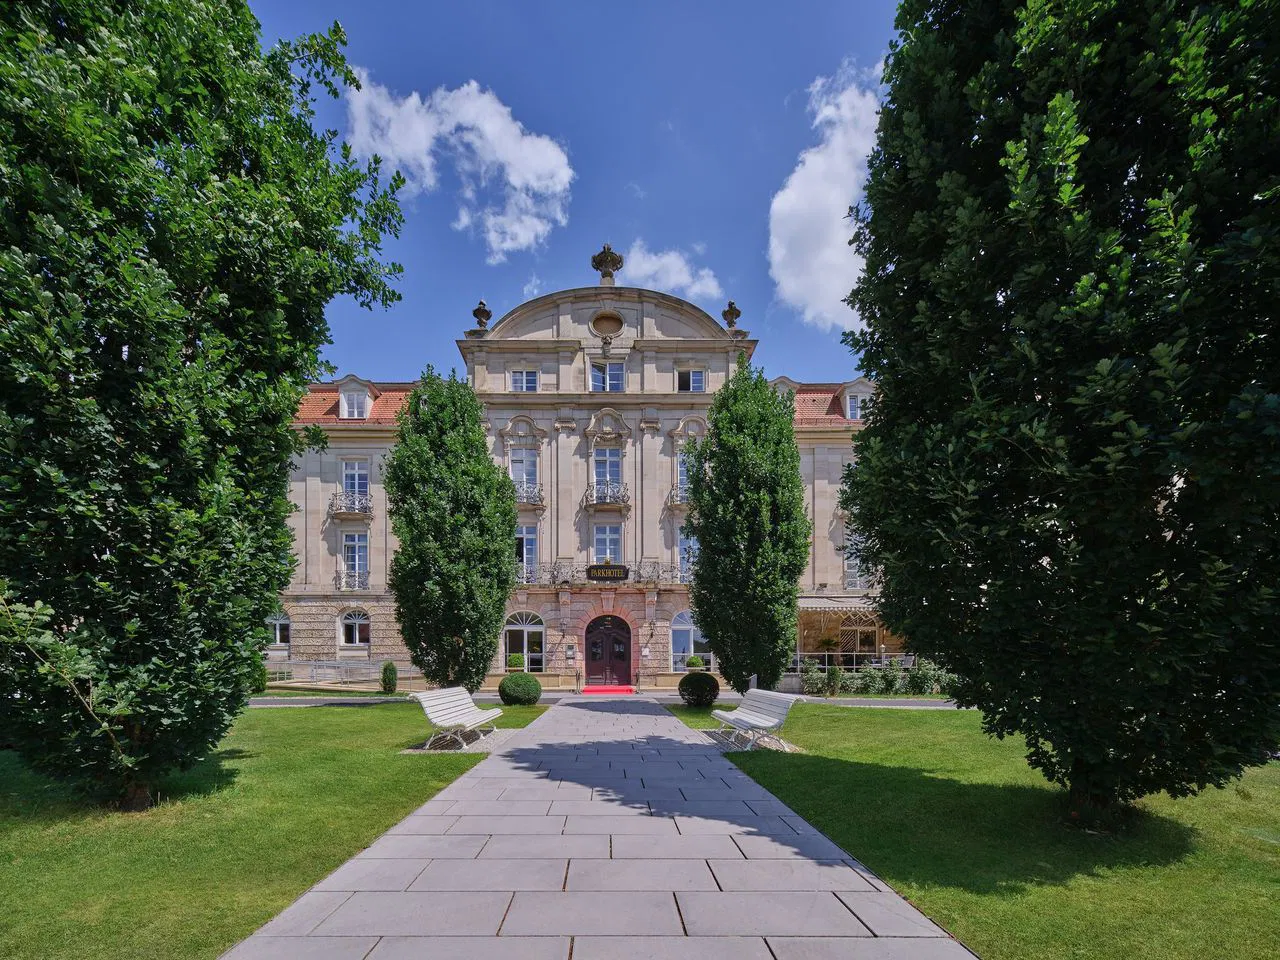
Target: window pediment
x=607 y=427
x=521 y=431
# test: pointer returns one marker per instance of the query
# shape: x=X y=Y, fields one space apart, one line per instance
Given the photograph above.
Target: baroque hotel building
x=590 y=395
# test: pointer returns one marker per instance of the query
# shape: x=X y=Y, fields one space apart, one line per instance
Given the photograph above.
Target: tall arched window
x=356 y=627
x=279 y=625
x=686 y=640
x=525 y=634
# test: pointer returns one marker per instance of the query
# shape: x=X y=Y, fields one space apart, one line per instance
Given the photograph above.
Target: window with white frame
x=859 y=406
x=608 y=465
x=524 y=466
x=688 y=553
x=355 y=477
x=279 y=625
x=855 y=570
x=355 y=405
x=524 y=381
x=525 y=634
x=691 y=381
x=355 y=552
x=606 y=377
x=526 y=552
x=686 y=641
x=607 y=544
x=682 y=470
x=356 y=627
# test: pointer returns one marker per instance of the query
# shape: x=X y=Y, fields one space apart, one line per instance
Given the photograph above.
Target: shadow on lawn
x=911 y=826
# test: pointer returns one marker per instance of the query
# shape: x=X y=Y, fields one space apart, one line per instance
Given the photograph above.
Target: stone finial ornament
x=731 y=313
x=482 y=315
x=607 y=262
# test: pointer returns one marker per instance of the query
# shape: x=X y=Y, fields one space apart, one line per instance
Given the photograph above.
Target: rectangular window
x=688 y=550
x=355 y=477
x=528 y=642
x=859 y=407
x=279 y=631
x=855 y=573
x=608 y=465
x=355 y=552
x=691 y=381
x=524 y=466
x=608 y=543
x=355 y=405
x=682 y=471
x=524 y=381
x=606 y=377
x=526 y=550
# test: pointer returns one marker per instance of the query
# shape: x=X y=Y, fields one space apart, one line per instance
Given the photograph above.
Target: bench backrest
x=768 y=703
x=446 y=706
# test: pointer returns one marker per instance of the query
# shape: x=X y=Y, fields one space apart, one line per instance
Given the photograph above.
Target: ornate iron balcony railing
x=607 y=491
x=679 y=494
x=352 y=579
x=527 y=492
x=349 y=503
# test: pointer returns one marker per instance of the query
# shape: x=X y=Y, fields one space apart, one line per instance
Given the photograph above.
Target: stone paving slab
x=605 y=830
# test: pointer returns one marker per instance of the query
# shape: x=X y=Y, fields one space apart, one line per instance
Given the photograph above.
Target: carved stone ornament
x=606 y=262
x=606 y=346
x=482 y=315
x=731 y=314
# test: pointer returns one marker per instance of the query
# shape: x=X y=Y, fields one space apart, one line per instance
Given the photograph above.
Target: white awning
x=835 y=604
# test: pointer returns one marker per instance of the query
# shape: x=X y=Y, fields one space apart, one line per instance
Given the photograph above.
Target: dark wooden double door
x=608 y=653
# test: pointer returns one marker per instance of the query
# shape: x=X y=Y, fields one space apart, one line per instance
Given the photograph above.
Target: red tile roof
x=819 y=405
x=320 y=405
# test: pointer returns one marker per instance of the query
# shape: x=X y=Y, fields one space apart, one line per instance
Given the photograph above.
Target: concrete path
x=605 y=830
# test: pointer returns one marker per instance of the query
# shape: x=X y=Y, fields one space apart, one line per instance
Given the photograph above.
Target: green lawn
x=516 y=716
x=698 y=717
x=302 y=692
x=964 y=828
x=288 y=796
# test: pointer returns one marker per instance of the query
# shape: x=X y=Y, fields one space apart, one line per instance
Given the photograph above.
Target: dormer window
x=859 y=406
x=691 y=381
x=355 y=405
x=524 y=381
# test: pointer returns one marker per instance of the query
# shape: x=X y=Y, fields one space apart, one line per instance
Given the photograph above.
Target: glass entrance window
x=526 y=553
x=686 y=640
x=607 y=545
x=355 y=476
x=355 y=552
x=525 y=634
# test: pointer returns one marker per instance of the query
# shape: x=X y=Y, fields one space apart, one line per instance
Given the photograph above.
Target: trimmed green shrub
x=521 y=689
x=390 y=677
x=813 y=680
x=260 y=678
x=834 y=680
x=698 y=689
x=854 y=682
x=695 y=662
x=515 y=661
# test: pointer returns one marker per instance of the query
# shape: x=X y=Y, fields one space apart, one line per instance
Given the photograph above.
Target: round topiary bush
x=520 y=689
x=695 y=662
x=390 y=677
x=699 y=689
x=515 y=661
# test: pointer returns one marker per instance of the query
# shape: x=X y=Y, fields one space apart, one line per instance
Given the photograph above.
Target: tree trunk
x=1087 y=800
x=137 y=796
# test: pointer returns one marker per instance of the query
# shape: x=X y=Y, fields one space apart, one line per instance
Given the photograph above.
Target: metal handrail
x=528 y=492
x=679 y=494
x=348 y=501
x=679 y=661
x=607 y=491
x=352 y=579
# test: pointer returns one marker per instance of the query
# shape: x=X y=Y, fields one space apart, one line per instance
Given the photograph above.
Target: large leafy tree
x=746 y=509
x=453 y=511
x=171 y=229
x=1071 y=479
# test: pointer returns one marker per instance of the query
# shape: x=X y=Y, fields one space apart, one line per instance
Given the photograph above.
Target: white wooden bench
x=761 y=712
x=452 y=712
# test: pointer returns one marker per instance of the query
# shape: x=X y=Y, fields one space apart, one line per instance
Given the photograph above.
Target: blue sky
x=716 y=146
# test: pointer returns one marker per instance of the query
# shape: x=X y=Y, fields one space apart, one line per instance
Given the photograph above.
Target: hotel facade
x=590 y=396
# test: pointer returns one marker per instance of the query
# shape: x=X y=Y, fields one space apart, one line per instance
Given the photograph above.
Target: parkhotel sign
x=608 y=571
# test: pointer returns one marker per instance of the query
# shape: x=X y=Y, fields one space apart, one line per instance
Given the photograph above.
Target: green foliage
x=1070 y=481
x=833 y=681
x=813 y=680
x=260 y=678
x=698 y=689
x=746 y=510
x=171 y=230
x=515 y=661
x=694 y=662
x=390 y=677
x=453 y=511
x=519 y=688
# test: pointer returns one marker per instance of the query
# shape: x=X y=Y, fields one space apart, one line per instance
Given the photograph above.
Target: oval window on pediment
x=606 y=325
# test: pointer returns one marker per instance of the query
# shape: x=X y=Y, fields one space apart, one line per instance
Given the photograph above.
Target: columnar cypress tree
x=1071 y=479
x=171 y=229
x=453 y=511
x=746 y=509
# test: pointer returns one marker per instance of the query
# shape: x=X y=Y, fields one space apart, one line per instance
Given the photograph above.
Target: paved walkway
x=605 y=830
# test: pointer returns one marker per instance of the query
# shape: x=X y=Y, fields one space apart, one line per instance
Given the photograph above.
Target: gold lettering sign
x=607 y=571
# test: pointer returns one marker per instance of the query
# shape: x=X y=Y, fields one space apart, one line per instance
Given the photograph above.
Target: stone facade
x=589 y=395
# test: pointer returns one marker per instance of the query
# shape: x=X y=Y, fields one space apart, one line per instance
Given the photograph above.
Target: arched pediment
x=607 y=426
x=521 y=431
x=690 y=428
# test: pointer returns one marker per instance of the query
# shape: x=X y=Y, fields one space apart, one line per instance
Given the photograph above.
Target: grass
x=517 y=716
x=698 y=717
x=303 y=692
x=963 y=827
x=287 y=797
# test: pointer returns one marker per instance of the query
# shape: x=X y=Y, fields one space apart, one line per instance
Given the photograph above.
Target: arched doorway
x=608 y=651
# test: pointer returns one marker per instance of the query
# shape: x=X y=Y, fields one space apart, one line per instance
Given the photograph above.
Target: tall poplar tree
x=1071 y=479
x=453 y=511
x=171 y=230
x=746 y=510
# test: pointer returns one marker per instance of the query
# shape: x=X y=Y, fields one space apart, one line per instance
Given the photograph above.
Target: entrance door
x=608 y=643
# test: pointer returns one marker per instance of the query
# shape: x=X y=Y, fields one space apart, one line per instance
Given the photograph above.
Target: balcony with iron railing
x=607 y=493
x=529 y=493
x=352 y=579
x=347 y=504
x=679 y=495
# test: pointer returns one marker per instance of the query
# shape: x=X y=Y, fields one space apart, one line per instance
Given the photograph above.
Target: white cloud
x=636 y=190
x=812 y=265
x=532 y=286
x=514 y=184
x=669 y=271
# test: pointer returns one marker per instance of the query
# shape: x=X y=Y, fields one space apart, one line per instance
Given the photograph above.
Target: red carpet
x=609 y=689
